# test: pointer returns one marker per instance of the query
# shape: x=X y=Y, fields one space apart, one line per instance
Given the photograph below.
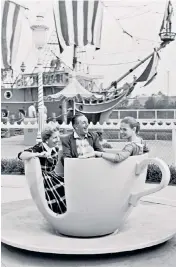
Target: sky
x=141 y=19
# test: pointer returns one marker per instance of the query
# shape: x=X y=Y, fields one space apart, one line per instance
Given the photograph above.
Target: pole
x=40 y=98
x=64 y=110
x=74 y=69
x=174 y=142
x=74 y=58
x=64 y=102
x=140 y=63
x=74 y=107
x=168 y=85
x=168 y=80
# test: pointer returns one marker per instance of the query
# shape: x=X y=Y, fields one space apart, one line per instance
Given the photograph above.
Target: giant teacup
x=99 y=194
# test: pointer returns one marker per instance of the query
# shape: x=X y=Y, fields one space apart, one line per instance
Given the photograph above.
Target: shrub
x=154 y=174
x=12 y=166
x=173 y=175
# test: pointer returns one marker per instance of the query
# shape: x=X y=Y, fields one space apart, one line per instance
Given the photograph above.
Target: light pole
x=40 y=37
x=23 y=67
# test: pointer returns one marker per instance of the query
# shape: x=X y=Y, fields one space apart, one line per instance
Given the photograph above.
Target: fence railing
x=144 y=124
x=155 y=114
x=163 y=147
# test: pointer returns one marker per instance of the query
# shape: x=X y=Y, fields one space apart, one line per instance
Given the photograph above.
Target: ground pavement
x=14 y=188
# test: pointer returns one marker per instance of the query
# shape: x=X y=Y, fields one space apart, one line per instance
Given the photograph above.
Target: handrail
x=138 y=110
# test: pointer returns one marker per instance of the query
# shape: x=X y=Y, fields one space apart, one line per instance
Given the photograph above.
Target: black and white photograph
x=88 y=133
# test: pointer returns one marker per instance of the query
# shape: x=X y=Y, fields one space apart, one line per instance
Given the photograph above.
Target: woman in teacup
x=47 y=152
x=129 y=129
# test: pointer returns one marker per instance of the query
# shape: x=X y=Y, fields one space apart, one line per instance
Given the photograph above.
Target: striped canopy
x=11 y=22
x=78 y=22
x=74 y=90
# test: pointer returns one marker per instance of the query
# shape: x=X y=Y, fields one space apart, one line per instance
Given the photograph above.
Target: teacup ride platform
x=100 y=218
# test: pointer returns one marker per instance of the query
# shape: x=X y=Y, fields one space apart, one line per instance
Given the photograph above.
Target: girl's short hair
x=132 y=122
x=47 y=133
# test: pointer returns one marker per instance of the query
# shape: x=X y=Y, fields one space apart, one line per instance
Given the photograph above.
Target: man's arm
x=96 y=143
x=66 y=149
x=34 y=113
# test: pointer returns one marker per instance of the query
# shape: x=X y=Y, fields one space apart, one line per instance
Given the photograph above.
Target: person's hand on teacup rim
x=44 y=154
x=87 y=155
x=93 y=154
x=98 y=154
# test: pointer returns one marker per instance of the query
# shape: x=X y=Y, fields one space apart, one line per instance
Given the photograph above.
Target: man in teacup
x=81 y=143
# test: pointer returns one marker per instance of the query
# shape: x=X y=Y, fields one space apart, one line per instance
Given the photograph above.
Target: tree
x=162 y=104
x=173 y=105
x=160 y=94
x=150 y=103
x=136 y=104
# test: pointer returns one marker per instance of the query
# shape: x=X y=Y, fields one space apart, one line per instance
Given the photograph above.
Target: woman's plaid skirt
x=54 y=191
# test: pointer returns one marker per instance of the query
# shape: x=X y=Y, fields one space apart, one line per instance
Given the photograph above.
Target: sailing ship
x=66 y=92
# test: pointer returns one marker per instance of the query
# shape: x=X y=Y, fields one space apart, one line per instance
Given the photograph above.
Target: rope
x=61 y=61
x=123 y=30
x=111 y=64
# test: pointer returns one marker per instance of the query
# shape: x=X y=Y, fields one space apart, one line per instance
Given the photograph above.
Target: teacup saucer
x=148 y=225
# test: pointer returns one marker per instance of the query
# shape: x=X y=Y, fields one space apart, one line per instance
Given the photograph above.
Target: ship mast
x=64 y=102
x=74 y=69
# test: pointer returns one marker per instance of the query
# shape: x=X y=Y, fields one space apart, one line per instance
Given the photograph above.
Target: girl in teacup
x=47 y=152
x=129 y=129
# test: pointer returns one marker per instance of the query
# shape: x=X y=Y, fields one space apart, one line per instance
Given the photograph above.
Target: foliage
x=11 y=132
x=159 y=101
x=154 y=174
x=150 y=103
x=173 y=174
x=12 y=166
x=136 y=104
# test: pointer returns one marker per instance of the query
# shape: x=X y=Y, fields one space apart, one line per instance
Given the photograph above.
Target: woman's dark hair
x=132 y=122
x=47 y=133
x=22 y=111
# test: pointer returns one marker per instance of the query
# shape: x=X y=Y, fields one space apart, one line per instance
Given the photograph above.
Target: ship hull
x=21 y=99
x=100 y=112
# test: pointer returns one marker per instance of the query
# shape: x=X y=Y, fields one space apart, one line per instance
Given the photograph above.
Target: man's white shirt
x=32 y=112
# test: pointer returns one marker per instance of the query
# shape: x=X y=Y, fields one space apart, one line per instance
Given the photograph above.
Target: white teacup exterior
x=99 y=194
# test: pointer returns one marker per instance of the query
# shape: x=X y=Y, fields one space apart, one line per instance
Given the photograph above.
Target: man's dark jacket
x=69 y=145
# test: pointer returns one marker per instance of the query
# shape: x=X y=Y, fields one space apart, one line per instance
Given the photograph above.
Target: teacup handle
x=134 y=198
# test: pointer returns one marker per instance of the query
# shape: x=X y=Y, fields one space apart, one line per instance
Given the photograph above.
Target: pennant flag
x=10 y=33
x=145 y=74
x=151 y=70
x=78 y=22
x=167 y=20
